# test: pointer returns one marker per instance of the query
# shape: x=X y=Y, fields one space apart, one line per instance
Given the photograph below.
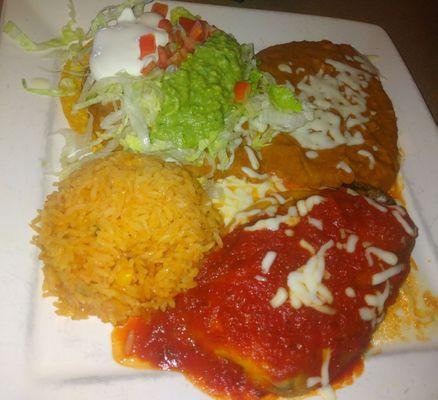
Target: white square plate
x=46 y=356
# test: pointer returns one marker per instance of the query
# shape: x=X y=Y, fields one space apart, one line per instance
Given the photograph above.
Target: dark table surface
x=412 y=25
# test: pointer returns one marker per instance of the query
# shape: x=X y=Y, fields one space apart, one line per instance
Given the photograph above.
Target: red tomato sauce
x=226 y=337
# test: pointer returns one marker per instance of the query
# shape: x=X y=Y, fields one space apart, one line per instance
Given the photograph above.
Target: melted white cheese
x=307 y=246
x=385 y=256
x=317 y=223
x=273 y=224
x=383 y=276
x=306 y=205
x=268 y=260
x=375 y=204
x=405 y=225
x=311 y=154
x=255 y=175
x=344 y=166
x=234 y=197
x=343 y=93
x=367 y=314
x=284 y=68
x=279 y=298
x=305 y=284
x=367 y=154
x=378 y=299
x=252 y=157
x=350 y=246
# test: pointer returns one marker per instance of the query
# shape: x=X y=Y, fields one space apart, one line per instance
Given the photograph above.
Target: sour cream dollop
x=116 y=48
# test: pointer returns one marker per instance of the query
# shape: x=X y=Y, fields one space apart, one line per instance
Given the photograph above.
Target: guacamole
x=199 y=95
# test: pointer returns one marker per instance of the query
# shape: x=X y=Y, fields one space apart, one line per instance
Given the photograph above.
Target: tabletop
x=412 y=26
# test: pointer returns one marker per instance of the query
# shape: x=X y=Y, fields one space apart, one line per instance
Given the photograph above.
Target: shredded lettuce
x=70 y=34
x=135 y=102
x=66 y=87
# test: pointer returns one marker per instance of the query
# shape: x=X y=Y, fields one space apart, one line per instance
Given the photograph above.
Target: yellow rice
x=122 y=236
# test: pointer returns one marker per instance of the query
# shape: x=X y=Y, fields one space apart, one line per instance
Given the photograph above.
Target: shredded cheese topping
x=305 y=206
x=268 y=260
x=385 y=256
x=305 y=284
x=344 y=166
x=399 y=217
x=235 y=198
x=350 y=246
x=311 y=154
x=367 y=314
x=279 y=298
x=373 y=203
x=343 y=93
x=253 y=160
x=326 y=391
x=307 y=246
x=378 y=299
x=284 y=68
x=273 y=224
x=317 y=223
x=366 y=153
x=383 y=276
x=254 y=175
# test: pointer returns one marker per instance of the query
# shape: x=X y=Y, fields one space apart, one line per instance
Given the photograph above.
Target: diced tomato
x=160 y=8
x=147 y=45
x=148 y=68
x=186 y=23
x=163 y=57
x=165 y=24
x=176 y=37
x=208 y=29
x=197 y=33
x=183 y=53
x=241 y=91
x=189 y=44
